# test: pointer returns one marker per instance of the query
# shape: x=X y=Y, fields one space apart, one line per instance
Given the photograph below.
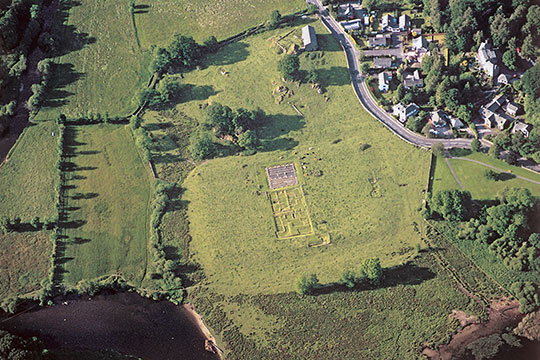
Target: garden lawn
x=107 y=208
x=28 y=178
x=25 y=259
x=157 y=21
x=472 y=176
x=102 y=67
x=367 y=200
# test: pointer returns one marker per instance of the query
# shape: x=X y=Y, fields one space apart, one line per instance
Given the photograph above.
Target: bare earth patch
x=503 y=313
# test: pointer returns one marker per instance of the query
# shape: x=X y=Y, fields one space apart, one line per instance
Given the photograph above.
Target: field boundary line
x=148 y=205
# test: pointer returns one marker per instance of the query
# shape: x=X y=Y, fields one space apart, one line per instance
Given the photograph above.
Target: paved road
x=364 y=96
x=491 y=167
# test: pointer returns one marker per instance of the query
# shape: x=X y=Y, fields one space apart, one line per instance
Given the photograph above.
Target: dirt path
x=454 y=173
x=502 y=314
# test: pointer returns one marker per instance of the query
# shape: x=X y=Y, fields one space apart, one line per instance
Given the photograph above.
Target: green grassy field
x=366 y=200
x=157 y=21
x=24 y=262
x=107 y=219
x=472 y=176
x=28 y=177
x=102 y=67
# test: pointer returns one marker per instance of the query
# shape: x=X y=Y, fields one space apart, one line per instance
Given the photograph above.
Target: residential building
x=380 y=40
x=492 y=115
x=513 y=109
x=310 y=38
x=404 y=22
x=456 y=123
x=413 y=80
x=503 y=79
x=382 y=63
x=487 y=59
x=384 y=82
x=389 y=23
x=404 y=112
x=523 y=128
x=438 y=118
x=420 y=43
x=352 y=25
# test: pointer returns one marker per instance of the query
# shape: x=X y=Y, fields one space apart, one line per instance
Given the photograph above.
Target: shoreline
x=503 y=313
x=210 y=340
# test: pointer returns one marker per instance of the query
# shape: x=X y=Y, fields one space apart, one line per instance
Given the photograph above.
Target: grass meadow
x=366 y=199
x=231 y=218
x=472 y=176
x=24 y=262
x=28 y=178
x=107 y=206
x=157 y=21
x=101 y=66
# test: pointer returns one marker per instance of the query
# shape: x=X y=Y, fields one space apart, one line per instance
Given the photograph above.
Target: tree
x=415 y=124
x=275 y=18
x=476 y=145
x=220 y=118
x=161 y=61
x=442 y=90
x=491 y=175
x=499 y=27
x=184 y=51
x=435 y=15
x=371 y=270
x=494 y=151
x=528 y=49
x=135 y=122
x=509 y=59
x=248 y=140
x=400 y=91
x=289 y=66
x=452 y=99
x=201 y=146
x=211 y=44
x=364 y=67
x=370 y=4
x=348 y=278
x=437 y=149
x=517 y=198
x=452 y=205
x=312 y=76
x=168 y=87
x=306 y=283
x=530 y=81
x=464 y=113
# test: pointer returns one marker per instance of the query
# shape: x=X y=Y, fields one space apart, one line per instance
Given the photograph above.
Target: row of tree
x=369 y=273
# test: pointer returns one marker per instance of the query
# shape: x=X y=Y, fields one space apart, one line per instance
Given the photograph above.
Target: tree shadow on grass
x=327 y=42
x=62 y=76
x=141 y=9
x=335 y=76
x=187 y=92
x=69 y=39
x=228 y=55
x=275 y=128
x=407 y=274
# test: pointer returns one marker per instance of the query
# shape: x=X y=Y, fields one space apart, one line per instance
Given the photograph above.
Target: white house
x=420 y=43
x=456 y=123
x=310 y=38
x=487 y=59
x=492 y=116
x=503 y=79
x=404 y=112
x=404 y=22
x=384 y=82
x=389 y=23
x=523 y=128
x=438 y=118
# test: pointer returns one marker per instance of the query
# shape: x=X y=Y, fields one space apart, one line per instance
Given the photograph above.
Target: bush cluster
x=164 y=269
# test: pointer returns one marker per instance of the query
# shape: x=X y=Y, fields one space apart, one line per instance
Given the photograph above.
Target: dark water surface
x=124 y=322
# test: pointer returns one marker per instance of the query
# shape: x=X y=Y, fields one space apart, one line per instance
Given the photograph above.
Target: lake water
x=124 y=322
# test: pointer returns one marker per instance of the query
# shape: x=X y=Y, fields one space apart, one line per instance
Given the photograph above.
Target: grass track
x=27 y=180
x=111 y=197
